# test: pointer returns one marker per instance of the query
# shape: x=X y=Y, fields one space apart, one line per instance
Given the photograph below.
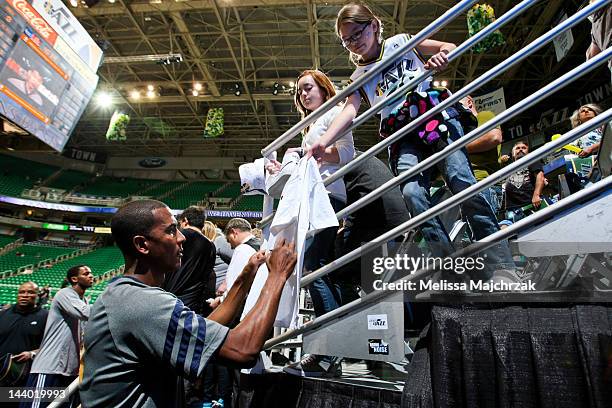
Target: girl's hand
x=273 y=166
x=438 y=61
x=317 y=151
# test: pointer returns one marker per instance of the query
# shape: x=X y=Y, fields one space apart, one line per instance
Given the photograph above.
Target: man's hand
x=587 y=151
x=536 y=200
x=222 y=288
x=23 y=356
x=282 y=259
x=255 y=261
x=438 y=61
x=504 y=158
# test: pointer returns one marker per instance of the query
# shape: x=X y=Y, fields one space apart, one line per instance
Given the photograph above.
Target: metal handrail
x=466 y=90
x=377 y=296
x=460 y=197
x=425 y=33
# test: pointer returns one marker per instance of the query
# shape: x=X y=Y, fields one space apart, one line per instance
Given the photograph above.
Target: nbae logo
x=378 y=346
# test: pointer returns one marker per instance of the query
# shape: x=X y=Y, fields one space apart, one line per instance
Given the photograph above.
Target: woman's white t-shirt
x=345 y=146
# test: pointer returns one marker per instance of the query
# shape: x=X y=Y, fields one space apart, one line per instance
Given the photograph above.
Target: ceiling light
x=104 y=99
x=151 y=94
x=74 y=3
x=135 y=94
x=111 y=1
x=436 y=83
x=197 y=86
x=150 y=87
x=237 y=91
x=195 y=92
x=444 y=83
x=291 y=84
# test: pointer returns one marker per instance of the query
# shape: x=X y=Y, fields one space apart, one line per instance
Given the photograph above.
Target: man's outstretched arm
x=227 y=311
x=244 y=342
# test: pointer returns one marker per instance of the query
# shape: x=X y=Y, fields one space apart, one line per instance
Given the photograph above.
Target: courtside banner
x=112 y=210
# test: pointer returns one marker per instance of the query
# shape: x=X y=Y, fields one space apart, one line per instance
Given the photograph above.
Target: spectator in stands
x=601 y=32
x=194 y=282
x=43 y=296
x=484 y=151
x=223 y=258
x=590 y=142
x=137 y=330
x=244 y=243
x=218 y=378
x=257 y=233
x=523 y=188
x=57 y=363
x=22 y=326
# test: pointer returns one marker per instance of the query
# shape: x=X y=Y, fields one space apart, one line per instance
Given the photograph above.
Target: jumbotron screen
x=48 y=67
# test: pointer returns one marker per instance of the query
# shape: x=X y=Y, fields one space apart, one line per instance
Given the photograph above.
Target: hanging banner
x=564 y=41
x=493 y=101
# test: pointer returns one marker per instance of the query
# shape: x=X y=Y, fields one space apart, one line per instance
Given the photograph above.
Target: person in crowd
x=524 y=187
x=601 y=32
x=238 y=234
x=360 y=31
x=484 y=152
x=257 y=233
x=22 y=326
x=218 y=377
x=313 y=89
x=141 y=337
x=43 y=296
x=223 y=258
x=194 y=282
x=590 y=142
x=57 y=362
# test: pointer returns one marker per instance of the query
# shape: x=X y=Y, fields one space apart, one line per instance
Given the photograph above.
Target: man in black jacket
x=194 y=282
x=22 y=326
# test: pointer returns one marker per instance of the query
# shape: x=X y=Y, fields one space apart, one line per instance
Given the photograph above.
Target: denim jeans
x=492 y=196
x=325 y=292
x=458 y=174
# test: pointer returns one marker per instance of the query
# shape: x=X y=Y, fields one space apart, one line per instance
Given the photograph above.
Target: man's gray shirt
x=61 y=344
x=138 y=339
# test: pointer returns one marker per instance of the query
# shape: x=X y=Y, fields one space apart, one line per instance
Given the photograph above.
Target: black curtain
x=513 y=356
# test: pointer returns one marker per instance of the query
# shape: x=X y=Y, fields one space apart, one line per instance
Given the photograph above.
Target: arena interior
x=167 y=99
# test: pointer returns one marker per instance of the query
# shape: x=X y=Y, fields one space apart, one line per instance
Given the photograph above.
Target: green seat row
x=18 y=174
x=191 y=194
x=100 y=261
x=30 y=255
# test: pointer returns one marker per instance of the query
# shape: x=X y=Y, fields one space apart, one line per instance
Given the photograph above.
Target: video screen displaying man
x=30 y=78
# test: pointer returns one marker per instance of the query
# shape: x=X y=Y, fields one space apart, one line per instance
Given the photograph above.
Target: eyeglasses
x=355 y=37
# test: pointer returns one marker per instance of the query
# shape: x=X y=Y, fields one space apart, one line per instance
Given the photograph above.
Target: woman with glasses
x=361 y=34
x=589 y=143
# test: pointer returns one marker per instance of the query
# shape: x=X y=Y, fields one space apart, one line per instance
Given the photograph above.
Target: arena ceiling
x=254 y=44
